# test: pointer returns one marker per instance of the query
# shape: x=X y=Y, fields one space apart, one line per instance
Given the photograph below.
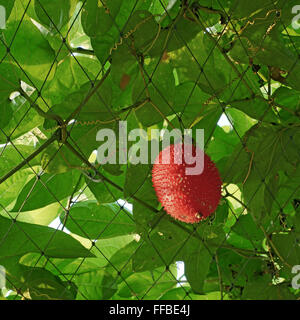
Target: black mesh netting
x=72 y=227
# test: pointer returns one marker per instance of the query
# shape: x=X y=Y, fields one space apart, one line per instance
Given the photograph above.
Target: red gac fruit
x=188 y=198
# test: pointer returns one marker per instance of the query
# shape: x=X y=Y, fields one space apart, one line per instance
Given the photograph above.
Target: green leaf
x=58 y=159
x=246 y=227
x=103 y=25
x=254 y=195
x=104 y=192
x=11 y=156
x=54 y=14
x=240 y=121
x=43 y=216
x=258 y=109
x=288 y=191
x=22 y=120
x=103 y=250
x=168 y=39
x=195 y=111
x=37 y=283
x=18 y=238
x=178 y=293
x=49 y=188
x=96 y=108
x=70 y=75
x=32 y=52
x=165 y=245
x=235 y=270
x=161 y=92
x=201 y=63
x=270 y=149
x=222 y=212
x=224 y=142
x=13 y=186
x=95 y=285
x=143 y=216
x=88 y=219
x=262 y=43
x=9 y=83
x=124 y=67
x=242 y=11
x=140 y=285
x=288 y=247
x=287 y=98
x=143 y=28
x=196 y=267
x=136 y=176
x=97 y=20
x=262 y=289
x=120 y=265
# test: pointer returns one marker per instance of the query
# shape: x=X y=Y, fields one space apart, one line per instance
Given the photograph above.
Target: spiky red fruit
x=189 y=198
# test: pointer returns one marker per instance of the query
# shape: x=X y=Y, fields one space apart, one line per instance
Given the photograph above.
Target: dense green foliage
x=156 y=64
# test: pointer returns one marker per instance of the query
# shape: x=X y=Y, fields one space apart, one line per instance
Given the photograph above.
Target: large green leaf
x=13 y=186
x=93 y=107
x=47 y=189
x=262 y=43
x=161 y=92
x=104 y=192
x=94 y=221
x=271 y=147
x=196 y=267
x=205 y=65
x=178 y=293
x=9 y=84
x=97 y=19
x=103 y=25
x=11 y=156
x=70 y=75
x=288 y=247
x=36 y=283
x=169 y=242
x=23 y=118
x=195 y=109
x=256 y=108
x=30 y=51
x=287 y=98
x=18 y=238
x=54 y=14
x=136 y=176
x=140 y=285
x=261 y=289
